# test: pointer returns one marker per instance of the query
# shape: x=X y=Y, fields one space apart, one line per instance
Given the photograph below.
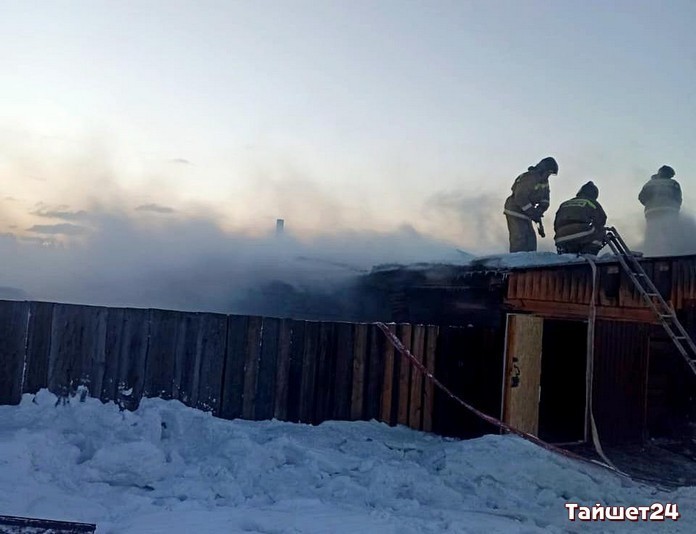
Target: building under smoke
x=642 y=384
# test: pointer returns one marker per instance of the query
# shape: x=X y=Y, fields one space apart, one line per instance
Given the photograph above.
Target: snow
x=525 y=259
x=502 y=262
x=167 y=468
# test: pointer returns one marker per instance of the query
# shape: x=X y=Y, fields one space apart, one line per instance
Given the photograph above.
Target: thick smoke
x=155 y=256
x=107 y=232
x=192 y=264
x=670 y=235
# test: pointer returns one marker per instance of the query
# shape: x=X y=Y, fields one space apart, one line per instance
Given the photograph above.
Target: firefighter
x=661 y=195
x=579 y=223
x=527 y=203
x=662 y=198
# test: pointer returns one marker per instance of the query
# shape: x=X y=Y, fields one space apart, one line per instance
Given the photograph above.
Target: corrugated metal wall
x=620 y=380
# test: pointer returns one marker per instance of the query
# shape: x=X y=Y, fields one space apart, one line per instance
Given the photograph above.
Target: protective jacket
x=660 y=195
x=530 y=196
x=579 y=220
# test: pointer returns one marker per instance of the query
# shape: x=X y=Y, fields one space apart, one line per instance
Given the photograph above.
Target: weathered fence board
x=127 y=333
x=77 y=355
x=112 y=349
x=185 y=356
x=210 y=362
x=359 y=367
x=268 y=358
x=388 y=389
x=38 y=346
x=415 y=415
x=235 y=357
x=309 y=367
x=32 y=525
x=251 y=366
x=343 y=377
x=14 y=318
x=280 y=410
x=326 y=394
x=429 y=388
x=159 y=370
x=375 y=372
x=404 y=331
x=297 y=347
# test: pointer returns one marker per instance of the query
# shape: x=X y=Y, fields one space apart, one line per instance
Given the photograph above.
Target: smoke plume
x=192 y=263
x=670 y=235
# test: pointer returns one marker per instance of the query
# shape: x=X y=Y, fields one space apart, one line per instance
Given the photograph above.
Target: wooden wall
x=301 y=371
x=233 y=366
x=565 y=290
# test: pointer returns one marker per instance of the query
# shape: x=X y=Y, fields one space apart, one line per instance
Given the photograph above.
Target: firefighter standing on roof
x=662 y=198
x=579 y=223
x=528 y=203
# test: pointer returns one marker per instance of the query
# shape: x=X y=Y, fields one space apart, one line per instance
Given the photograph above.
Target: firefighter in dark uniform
x=662 y=198
x=528 y=203
x=579 y=223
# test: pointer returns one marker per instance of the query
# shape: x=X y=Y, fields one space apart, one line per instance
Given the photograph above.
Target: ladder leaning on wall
x=663 y=311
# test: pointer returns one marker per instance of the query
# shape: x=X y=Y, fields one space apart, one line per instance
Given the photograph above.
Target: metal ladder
x=663 y=311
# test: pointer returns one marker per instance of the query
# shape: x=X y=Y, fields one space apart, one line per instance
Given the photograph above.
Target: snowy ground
x=167 y=468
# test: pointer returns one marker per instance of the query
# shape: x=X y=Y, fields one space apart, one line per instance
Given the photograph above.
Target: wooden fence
x=233 y=366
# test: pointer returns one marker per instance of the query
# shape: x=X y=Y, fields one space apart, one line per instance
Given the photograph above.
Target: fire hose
x=396 y=342
x=589 y=373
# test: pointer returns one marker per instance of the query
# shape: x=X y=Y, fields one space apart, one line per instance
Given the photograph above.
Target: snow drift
x=169 y=468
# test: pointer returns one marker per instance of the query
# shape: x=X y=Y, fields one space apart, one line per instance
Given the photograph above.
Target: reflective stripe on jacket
x=578 y=218
x=530 y=195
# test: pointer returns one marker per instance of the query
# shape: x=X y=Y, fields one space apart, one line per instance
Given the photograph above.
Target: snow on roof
x=496 y=262
x=513 y=261
x=524 y=259
x=169 y=468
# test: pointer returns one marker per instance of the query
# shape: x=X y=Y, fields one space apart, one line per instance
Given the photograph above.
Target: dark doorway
x=563 y=370
x=470 y=364
x=670 y=407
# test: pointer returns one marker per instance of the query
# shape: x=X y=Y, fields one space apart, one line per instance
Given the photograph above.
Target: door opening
x=544 y=391
x=563 y=381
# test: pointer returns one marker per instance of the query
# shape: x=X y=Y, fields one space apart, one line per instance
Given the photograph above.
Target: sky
x=381 y=117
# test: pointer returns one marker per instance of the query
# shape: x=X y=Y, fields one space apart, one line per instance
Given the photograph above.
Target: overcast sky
x=336 y=115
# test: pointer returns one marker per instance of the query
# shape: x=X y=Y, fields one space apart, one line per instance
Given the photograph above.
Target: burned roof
x=545 y=283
